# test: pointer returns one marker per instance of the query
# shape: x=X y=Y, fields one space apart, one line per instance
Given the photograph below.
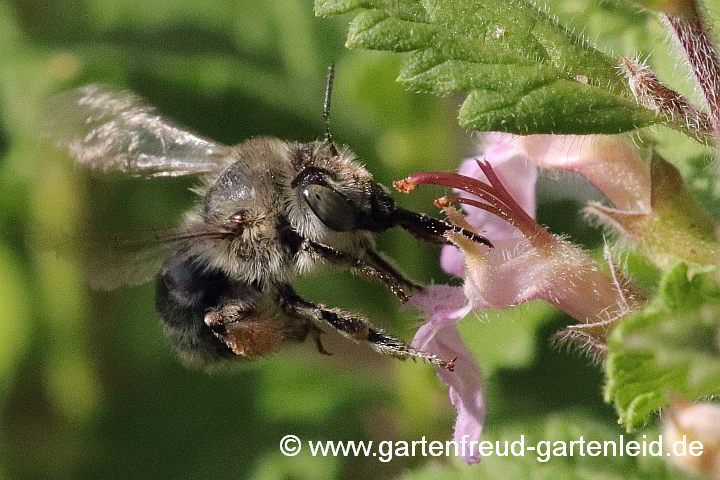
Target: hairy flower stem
x=694 y=37
x=653 y=94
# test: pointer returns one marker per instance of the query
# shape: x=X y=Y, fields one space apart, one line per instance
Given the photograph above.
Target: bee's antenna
x=326 y=106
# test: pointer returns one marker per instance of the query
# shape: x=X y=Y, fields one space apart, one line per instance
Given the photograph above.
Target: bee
x=269 y=210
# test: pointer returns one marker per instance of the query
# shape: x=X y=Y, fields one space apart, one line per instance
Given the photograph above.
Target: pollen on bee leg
x=450 y=366
x=215 y=321
x=442 y=202
x=253 y=339
x=406 y=185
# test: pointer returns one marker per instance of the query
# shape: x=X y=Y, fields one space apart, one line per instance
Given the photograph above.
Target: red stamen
x=460 y=182
x=520 y=218
x=495 y=197
x=469 y=201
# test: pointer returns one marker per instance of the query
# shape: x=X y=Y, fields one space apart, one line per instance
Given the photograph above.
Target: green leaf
x=523 y=72
x=671 y=347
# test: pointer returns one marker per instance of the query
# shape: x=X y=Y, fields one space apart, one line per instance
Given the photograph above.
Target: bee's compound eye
x=331 y=207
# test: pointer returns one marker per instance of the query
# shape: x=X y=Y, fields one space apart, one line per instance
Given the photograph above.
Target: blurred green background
x=88 y=386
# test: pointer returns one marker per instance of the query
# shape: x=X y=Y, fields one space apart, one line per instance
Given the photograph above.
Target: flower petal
x=518 y=271
x=466 y=389
x=517 y=174
x=610 y=162
x=443 y=305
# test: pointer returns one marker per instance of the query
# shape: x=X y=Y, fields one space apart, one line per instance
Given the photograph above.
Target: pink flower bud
x=688 y=423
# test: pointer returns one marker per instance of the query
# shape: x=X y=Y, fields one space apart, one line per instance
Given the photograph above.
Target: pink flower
x=443 y=305
x=609 y=162
x=527 y=262
x=535 y=265
x=651 y=207
x=699 y=422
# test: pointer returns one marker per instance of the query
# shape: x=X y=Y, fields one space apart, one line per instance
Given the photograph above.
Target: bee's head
x=345 y=198
x=340 y=192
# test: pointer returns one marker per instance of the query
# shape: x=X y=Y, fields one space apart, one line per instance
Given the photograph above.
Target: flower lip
x=443 y=306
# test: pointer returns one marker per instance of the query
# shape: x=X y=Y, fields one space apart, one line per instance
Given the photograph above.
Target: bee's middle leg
x=381 y=262
x=338 y=257
x=355 y=327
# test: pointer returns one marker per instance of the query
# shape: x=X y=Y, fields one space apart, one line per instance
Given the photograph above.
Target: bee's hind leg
x=355 y=327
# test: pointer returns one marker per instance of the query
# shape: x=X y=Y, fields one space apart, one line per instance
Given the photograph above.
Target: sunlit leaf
x=671 y=347
x=522 y=71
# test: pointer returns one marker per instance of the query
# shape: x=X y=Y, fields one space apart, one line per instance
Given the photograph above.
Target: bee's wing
x=112 y=261
x=111 y=130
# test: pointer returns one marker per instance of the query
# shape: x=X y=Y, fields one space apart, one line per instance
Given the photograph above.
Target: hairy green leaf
x=671 y=347
x=523 y=72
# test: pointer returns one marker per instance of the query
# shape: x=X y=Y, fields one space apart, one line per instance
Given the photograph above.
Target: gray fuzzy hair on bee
x=269 y=210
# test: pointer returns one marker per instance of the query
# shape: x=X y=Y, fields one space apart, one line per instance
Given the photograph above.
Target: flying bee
x=269 y=210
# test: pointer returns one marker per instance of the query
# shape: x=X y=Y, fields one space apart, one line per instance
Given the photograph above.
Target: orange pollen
x=442 y=202
x=406 y=185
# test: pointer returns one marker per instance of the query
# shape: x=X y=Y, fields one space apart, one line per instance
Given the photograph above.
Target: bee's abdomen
x=185 y=292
